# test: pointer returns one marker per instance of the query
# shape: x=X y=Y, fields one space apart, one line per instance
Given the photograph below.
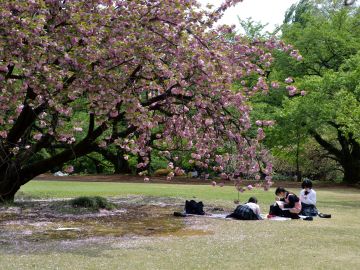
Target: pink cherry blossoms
x=144 y=73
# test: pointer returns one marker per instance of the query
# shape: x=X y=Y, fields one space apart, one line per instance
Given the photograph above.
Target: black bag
x=243 y=212
x=195 y=208
x=324 y=215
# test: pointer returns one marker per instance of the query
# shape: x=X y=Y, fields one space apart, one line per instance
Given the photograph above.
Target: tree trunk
x=9 y=196
x=298 y=172
x=351 y=171
x=121 y=164
x=9 y=182
x=348 y=155
x=98 y=166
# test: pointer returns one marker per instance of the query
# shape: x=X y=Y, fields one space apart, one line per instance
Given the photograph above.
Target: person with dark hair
x=247 y=211
x=253 y=204
x=252 y=200
x=287 y=204
x=308 y=199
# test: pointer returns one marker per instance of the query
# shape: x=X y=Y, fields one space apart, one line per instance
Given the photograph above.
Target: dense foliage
x=327 y=34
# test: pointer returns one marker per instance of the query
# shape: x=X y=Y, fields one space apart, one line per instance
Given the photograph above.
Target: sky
x=264 y=11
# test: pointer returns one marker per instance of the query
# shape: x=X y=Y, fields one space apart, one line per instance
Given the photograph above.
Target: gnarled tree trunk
x=351 y=171
x=348 y=155
x=10 y=181
x=121 y=165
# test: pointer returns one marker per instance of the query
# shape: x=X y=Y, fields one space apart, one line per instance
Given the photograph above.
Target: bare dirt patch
x=43 y=225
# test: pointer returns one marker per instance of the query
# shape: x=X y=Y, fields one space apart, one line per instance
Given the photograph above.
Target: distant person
x=287 y=204
x=247 y=211
x=308 y=199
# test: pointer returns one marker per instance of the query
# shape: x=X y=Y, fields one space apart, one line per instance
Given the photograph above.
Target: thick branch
x=165 y=95
x=328 y=146
x=84 y=147
x=25 y=119
x=44 y=142
x=91 y=123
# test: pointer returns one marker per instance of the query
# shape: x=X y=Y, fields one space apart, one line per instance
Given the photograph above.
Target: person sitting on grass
x=308 y=199
x=287 y=204
x=247 y=211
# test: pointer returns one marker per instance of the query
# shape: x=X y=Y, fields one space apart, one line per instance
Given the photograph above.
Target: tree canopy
x=138 y=72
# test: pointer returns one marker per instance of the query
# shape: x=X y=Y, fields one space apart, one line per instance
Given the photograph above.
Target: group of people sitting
x=287 y=204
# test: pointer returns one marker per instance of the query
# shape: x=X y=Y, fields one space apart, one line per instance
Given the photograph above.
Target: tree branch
x=328 y=146
x=25 y=119
x=84 y=147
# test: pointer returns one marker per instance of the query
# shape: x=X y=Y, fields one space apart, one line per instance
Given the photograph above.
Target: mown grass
x=64 y=189
x=320 y=244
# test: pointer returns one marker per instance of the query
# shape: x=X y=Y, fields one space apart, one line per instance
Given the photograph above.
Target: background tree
x=323 y=105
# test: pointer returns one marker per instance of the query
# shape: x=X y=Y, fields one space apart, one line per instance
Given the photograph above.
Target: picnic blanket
x=223 y=216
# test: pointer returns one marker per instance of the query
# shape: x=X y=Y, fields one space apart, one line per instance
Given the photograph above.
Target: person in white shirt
x=247 y=211
x=252 y=203
x=308 y=199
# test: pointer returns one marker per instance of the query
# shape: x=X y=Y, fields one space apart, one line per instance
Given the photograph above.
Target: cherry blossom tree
x=136 y=69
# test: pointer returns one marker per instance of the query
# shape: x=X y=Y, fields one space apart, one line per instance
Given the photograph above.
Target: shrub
x=96 y=202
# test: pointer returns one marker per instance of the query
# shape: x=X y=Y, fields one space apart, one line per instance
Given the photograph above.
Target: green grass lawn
x=64 y=189
x=226 y=244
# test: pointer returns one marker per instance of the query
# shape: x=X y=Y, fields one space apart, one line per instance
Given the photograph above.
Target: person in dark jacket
x=287 y=204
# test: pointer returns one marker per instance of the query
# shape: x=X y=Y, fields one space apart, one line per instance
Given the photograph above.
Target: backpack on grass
x=195 y=208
